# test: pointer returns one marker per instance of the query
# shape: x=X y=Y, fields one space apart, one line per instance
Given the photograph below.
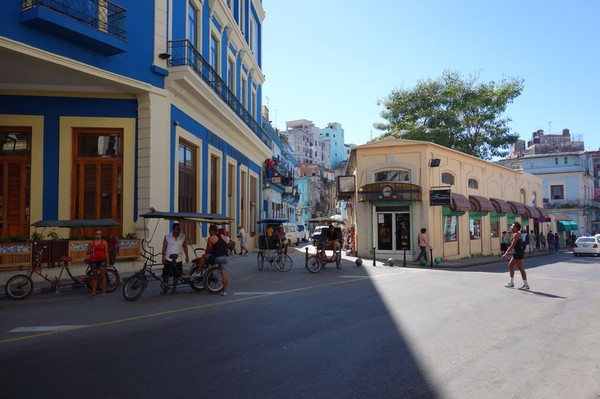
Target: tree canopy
x=454 y=112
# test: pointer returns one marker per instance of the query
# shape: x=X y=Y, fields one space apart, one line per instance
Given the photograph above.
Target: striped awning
x=480 y=204
x=460 y=203
x=517 y=208
x=561 y=217
x=533 y=212
x=544 y=213
x=500 y=205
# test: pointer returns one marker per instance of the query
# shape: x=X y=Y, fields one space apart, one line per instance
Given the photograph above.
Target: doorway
x=393 y=229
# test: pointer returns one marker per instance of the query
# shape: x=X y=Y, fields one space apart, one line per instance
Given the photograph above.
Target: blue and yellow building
x=110 y=108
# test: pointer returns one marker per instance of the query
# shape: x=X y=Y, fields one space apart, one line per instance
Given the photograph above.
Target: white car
x=586 y=246
x=303 y=232
x=291 y=233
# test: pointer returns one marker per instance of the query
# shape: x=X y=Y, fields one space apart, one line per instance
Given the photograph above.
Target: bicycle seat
x=66 y=259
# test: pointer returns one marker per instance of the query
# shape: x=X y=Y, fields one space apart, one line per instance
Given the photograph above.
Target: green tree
x=454 y=112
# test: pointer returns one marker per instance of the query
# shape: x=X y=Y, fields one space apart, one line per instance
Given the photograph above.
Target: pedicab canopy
x=77 y=223
x=268 y=226
x=188 y=216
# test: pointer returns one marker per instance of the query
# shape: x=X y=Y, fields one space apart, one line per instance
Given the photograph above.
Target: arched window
x=473 y=183
x=392 y=175
x=448 y=178
x=523 y=196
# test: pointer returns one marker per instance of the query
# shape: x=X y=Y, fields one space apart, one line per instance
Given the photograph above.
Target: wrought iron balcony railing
x=184 y=53
x=102 y=15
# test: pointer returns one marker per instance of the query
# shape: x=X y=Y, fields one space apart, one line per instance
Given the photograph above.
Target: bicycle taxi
x=269 y=248
x=316 y=262
x=53 y=255
x=211 y=277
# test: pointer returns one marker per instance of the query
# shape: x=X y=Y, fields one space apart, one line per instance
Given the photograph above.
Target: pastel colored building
x=394 y=187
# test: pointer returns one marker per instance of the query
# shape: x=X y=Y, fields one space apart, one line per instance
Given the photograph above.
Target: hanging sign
x=439 y=197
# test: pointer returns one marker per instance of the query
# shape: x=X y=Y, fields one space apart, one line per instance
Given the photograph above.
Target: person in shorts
x=173 y=250
x=518 y=253
x=217 y=251
x=98 y=259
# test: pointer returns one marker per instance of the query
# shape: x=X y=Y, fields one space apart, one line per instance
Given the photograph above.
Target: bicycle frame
x=20 y=286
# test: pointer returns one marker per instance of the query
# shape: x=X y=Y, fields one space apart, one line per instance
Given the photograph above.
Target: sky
x=332 y=60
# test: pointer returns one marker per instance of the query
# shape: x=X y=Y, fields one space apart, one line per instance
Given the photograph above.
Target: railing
x=184 y=53
x=102 y=15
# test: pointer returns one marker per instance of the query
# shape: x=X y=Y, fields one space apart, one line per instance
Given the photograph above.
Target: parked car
x=291 y=233
x=303 y=232
x=586 y=246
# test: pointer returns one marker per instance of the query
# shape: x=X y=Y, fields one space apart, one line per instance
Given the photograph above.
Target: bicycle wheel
x=196 y=283
x=113 y=279
x=338 y=260
x=213 y=280
x=134 y=287
x=313 y=264
x=283 y=263
x=19 y=286
x=260 y=260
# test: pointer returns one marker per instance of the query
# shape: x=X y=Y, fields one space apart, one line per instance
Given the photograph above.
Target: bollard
x=374 y=257
x=305 y=256
x=431 y=257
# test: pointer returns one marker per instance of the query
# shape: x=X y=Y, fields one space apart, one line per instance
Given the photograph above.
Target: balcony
x=183 y=53
x=94 y=24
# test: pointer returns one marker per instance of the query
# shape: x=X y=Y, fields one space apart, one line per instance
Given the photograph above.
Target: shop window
x=475 y=228
x=495 y=228
x=450 y=228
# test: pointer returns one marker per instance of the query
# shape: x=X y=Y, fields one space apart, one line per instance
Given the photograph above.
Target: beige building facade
x=399 y=186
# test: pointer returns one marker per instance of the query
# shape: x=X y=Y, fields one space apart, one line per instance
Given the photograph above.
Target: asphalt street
x=357 y=332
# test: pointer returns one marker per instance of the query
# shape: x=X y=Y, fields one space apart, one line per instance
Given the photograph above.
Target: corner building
x=401 y=186
x=110 y=108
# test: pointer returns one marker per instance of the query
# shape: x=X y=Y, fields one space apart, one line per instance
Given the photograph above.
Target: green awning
x=566 y=225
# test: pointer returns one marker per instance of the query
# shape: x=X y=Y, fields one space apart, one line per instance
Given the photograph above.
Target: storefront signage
x=439 y=197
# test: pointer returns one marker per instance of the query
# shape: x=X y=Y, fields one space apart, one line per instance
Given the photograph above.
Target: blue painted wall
x=52 y=108
x=135 y=63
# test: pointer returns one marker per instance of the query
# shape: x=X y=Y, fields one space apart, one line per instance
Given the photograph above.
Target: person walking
x=556 y=242
x=173 y=250
x=524 y=240
x=423 y=243
x=550 y=241
x=518 y=253
x=241 y=235
x=98 y=260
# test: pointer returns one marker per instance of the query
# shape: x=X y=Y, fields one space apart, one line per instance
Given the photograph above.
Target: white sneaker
x=196 y=275
x=525 y=287
x=509 y=285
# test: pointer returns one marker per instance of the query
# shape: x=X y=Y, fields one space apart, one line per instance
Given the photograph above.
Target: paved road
x=363 y=332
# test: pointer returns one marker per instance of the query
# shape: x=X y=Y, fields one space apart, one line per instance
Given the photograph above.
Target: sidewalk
x=480 y=260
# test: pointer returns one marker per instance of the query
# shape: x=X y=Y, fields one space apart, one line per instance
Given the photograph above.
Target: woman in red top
x=98 y=258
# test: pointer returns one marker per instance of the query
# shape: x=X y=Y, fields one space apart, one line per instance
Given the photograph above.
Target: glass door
x=393 y=231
